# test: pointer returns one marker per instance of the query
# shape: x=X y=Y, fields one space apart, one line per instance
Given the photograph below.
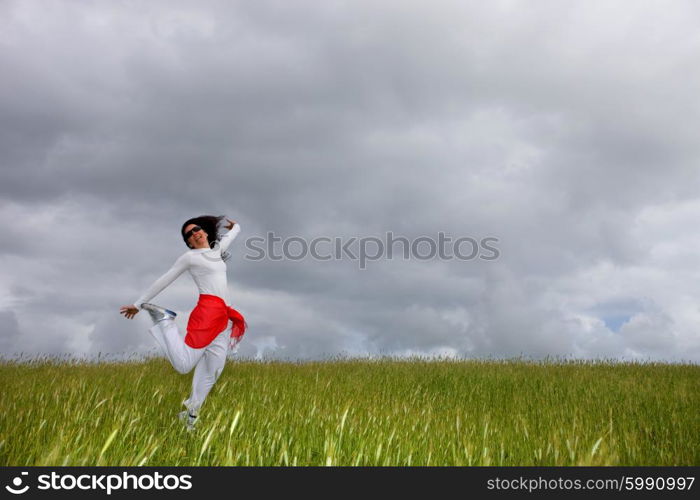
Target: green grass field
x=354 y=412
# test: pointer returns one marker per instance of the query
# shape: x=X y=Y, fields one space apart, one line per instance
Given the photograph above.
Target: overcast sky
x=567 y=130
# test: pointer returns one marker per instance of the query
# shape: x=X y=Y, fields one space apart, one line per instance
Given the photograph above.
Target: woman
x=206 y=343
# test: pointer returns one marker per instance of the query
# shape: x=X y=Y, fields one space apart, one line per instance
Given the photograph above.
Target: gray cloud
x=10 y=331
x=566 y=130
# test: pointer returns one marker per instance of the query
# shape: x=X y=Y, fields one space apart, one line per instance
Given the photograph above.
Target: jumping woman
x=206 y=342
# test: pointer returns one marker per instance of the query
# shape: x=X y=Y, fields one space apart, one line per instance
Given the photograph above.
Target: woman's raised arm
x=234 y=228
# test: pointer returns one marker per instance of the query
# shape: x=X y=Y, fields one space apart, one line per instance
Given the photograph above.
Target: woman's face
x=198 y=239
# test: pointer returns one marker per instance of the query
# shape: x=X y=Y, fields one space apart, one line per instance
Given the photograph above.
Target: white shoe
x=188 y=419
x=158 y=313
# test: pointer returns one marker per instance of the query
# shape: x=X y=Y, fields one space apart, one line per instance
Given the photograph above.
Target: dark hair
x=209 y=223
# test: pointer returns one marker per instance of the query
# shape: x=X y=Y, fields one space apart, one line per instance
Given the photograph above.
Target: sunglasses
x=192 y=231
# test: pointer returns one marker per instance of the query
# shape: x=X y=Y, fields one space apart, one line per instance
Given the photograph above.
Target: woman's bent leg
x=207 y=371
x=180 y=355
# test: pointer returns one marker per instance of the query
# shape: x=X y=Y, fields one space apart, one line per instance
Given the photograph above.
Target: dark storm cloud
x=566 y=130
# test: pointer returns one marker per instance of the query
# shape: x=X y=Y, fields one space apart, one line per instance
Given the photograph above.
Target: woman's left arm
x=233 y=229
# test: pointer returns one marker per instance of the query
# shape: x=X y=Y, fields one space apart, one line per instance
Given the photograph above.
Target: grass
x=353 y=412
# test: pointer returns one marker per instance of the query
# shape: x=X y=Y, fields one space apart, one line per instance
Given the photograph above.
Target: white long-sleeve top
x=205 y=265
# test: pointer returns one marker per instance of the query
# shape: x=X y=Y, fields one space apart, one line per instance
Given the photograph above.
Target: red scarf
x=209 y=318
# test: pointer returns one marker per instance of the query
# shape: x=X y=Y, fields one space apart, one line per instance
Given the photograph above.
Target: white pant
x=208 y=362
